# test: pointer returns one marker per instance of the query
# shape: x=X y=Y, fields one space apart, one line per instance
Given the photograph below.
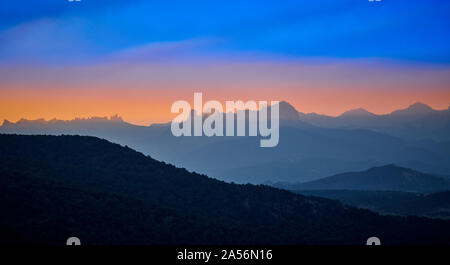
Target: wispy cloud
x=412 y=30
x=45 y=40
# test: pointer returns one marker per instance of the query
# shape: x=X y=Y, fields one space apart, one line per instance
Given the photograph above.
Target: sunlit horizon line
x=116 y=116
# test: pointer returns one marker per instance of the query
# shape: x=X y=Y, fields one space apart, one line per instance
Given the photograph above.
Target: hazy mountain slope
x=241 y=159
x=67 y=185
x=390 y=177
x=299 y=144
x=309 y=169
x=416 y=122
x=304 y=170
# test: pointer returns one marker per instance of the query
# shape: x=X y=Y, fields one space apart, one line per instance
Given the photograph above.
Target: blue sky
x=100 y=57
x=58 y=30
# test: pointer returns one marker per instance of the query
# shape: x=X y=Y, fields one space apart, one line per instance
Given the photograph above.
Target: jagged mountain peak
x=6 y=123
x=24 y=122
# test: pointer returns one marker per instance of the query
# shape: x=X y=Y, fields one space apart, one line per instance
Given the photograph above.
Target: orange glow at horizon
x=146 y=107
x=143 y=93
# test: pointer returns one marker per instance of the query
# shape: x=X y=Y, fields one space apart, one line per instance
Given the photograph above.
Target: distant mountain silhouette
x=53 y=187
x=305 y=152
x=360 y=112
x=301 y=170
x=389 y=178
x=417 y=122
x=288 y=112
x=417 y=109
x=92 y=120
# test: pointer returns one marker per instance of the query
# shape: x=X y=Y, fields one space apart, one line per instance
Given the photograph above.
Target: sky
x=61 y=59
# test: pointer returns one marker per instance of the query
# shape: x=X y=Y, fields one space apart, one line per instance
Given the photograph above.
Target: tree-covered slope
x=392 y=202
x=54 y=187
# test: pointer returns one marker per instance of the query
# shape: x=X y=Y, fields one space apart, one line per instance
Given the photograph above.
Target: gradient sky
x=61 y=59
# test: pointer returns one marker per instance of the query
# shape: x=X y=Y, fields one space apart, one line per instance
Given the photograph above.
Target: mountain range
x=53 y=187
x=388 y=189
x=311 y=146
x=384 y=178
x=416 y=122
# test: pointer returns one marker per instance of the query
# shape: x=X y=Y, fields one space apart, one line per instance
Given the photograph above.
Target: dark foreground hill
x=54 y=187
x=387 y=178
